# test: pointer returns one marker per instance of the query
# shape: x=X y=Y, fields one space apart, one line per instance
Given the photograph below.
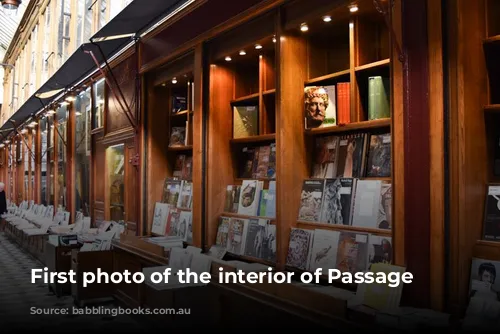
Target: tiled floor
x=19 y=298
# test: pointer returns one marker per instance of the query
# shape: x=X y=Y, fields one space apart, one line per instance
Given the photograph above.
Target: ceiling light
x=242 y=53
x=11 y=4
x=258 y=46
x=327 y=18
x=353 y=8
x=304 y=27
x=227 y=58
x=7 y=141
x=2 y=145
x=174 y=80
x=64 y=103
x=77 y=113
x=23 y=131
x=70 y=98
x=51 y=112
x=274 y=39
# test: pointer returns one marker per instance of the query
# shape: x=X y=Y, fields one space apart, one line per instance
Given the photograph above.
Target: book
x=491 y=224
x=310 y=200
x=379 y=156
x=319 y=106
x=299 y=248
x=378 y=98
x=245 y=121
x=338 y=198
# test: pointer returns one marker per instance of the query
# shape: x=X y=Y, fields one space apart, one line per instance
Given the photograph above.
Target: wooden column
x=70 y=161
x=417 y=152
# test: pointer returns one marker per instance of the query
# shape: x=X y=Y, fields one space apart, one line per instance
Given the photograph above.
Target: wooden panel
x=436 y=104
x=98 y=178
x=290 y=142
x=468 y=156
x=417 y=175
x=125 y=74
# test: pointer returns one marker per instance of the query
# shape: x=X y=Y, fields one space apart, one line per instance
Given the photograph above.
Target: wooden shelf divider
x=254 y=139
x=379 y=63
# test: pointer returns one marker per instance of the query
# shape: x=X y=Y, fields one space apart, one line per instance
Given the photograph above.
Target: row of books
x=258 y=162
x=352 y=155
x=250 y=237
x=346 y=251
x=251 y=199
x=171 y=221
x=347 y=201
x=177 y=193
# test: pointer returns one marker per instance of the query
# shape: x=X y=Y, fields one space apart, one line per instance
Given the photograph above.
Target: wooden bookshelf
x=242 y=74
x=172 y=103
x=349 y=49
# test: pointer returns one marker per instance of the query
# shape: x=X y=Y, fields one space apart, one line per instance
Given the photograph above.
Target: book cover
x=337 y=201
x=491 y=228
x=324 y=250
x=320 y=106
x=352 y=252
x=249 y=198
x=325 y=157
x=299 y=248
x=310 y=200
x=245 y=121
x=379 y=156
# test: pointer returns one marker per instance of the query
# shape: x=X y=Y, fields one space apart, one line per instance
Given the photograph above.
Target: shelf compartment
x=493 y=108
x=254 y=139
x=375 y=124
x=336 y=227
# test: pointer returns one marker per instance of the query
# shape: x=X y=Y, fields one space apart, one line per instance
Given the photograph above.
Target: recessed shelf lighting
x=353 y=8
x=327 y=18
x=174 y=80
x=227 y=58
x=258 y=46
x=242 y=53
x=304 y=27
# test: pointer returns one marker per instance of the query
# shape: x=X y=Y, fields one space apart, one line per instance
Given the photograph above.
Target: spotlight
x=227 y=58
x=11 y=4
x=242 y=53
x=304 y=27
x=258 y=46
x=274 y=39
x=353 y=8
x=174 y=80
x=327 y=18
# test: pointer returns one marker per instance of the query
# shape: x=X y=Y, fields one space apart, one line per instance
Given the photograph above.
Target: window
x=98 y=103
x=44 y=136
x=102 y=19
x=82 y=149
x=63 y=37
x=87 y=22
x=46 y=47
x=26 y=160
x=50 y=160
x=115 y=160
x=34 y=59
x=61 y=116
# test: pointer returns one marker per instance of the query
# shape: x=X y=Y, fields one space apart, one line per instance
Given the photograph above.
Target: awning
x=139 y=16
x=79 y=66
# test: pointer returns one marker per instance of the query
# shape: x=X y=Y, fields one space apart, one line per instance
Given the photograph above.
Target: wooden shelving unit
x=171 y=103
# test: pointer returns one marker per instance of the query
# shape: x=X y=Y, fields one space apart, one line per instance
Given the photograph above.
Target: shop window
x=99 y=103
x=82 y=152
x=115 y=163
x=61 y=138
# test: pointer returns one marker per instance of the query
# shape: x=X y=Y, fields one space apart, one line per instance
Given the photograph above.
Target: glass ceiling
x=9 y=20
